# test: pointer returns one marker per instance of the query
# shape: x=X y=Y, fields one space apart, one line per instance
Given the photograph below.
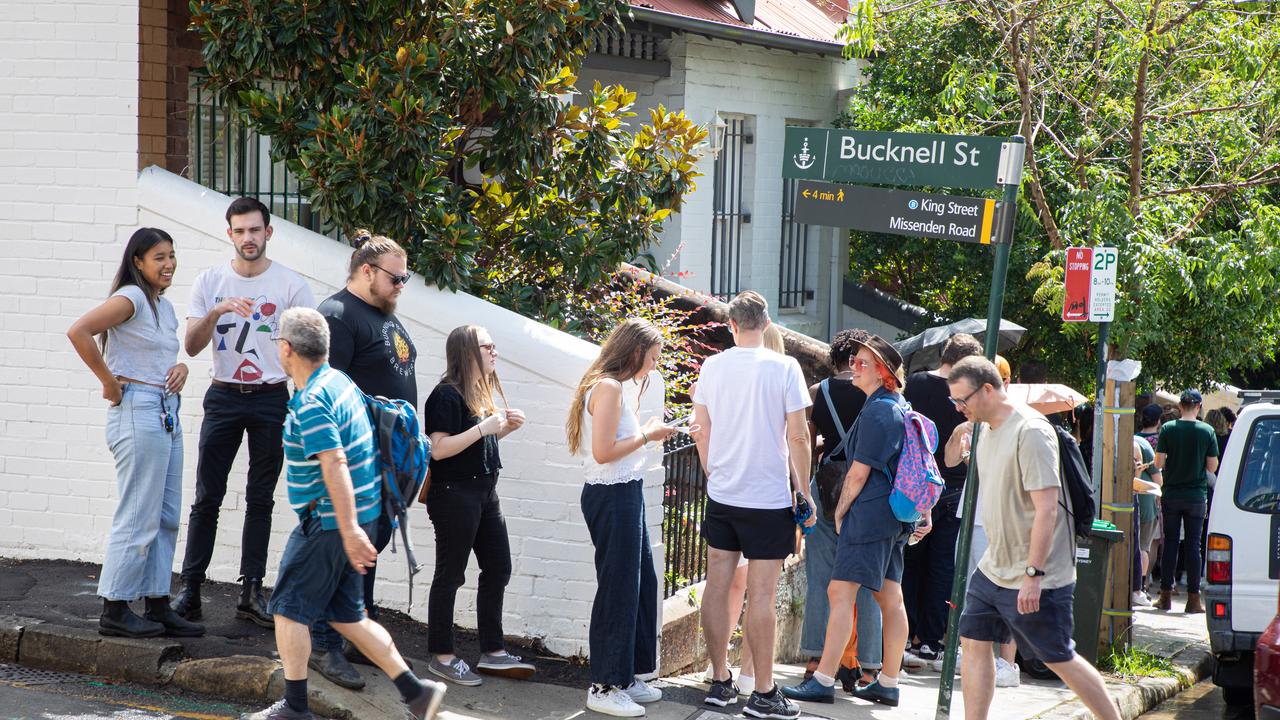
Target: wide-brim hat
x=886 y=353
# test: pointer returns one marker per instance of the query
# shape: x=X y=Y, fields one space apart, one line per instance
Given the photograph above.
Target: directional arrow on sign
x=805 y=193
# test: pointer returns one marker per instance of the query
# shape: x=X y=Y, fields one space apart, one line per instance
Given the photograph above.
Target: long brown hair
x=621 y=357
x=463 y=363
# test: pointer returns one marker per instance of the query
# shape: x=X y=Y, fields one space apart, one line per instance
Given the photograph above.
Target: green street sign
x=897 y=212
x=883 y=158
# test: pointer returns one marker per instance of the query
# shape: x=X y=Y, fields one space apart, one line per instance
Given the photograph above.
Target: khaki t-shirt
x=1020 y=456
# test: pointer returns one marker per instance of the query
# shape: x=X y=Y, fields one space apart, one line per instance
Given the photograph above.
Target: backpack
x=403 y=454
x=1077 y=488
x=918 y=483
x=829 y=476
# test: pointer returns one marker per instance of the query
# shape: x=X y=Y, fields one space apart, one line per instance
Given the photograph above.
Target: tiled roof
x=809 y=19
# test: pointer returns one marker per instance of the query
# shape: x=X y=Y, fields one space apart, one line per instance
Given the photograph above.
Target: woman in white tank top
x=603 y=427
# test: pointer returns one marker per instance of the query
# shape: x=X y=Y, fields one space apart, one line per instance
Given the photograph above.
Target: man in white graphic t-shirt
x=750 y=407
x=235 y=307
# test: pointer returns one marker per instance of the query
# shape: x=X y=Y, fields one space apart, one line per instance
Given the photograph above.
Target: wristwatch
x=1034 y=572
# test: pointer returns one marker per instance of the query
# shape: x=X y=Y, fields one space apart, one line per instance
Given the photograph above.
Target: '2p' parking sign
x=1090 y=284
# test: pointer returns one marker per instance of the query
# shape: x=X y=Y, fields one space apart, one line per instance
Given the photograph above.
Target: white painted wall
x=68 y=200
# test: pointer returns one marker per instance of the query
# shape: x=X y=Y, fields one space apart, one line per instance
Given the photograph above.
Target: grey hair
x=978 y=371
x=307 y=332
x=749 y=310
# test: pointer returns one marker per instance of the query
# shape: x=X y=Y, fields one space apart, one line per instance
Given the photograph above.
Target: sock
x=408 y=684
x=824 y=680
x=498 y=653
x=746 y=680
x=886 y=681
x=295 y=694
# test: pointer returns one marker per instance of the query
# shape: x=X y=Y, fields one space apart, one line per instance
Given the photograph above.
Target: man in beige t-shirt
x=1024 y=585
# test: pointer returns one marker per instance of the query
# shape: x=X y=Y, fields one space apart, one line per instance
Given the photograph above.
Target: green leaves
x=383 y=108
x=1151 y=126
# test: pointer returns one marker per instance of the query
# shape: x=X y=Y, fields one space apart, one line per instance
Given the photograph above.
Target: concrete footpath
x=51 y=625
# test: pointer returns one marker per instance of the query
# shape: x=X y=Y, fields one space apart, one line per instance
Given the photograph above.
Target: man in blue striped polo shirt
x=334 y=487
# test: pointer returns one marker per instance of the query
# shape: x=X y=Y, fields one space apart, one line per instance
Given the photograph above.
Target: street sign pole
x=1011 y=178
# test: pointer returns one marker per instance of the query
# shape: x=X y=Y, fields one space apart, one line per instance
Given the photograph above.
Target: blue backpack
x=403 y=456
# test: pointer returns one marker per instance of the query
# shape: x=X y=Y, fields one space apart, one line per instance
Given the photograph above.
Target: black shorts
x=991 y=615
x=757 y=534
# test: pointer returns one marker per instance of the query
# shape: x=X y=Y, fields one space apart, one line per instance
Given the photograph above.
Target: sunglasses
x=397 y=279
x=166 y=417
x=489 y=348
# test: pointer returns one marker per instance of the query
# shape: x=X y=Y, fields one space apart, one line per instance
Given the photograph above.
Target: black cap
x=1191 y=397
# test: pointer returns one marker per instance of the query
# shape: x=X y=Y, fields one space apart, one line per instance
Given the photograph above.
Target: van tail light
x=1219 y=559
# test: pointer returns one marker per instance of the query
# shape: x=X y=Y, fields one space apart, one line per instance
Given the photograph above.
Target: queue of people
x=759 y=432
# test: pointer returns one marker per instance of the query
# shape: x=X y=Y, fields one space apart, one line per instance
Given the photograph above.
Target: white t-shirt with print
x=243 y=351
x=748 y=393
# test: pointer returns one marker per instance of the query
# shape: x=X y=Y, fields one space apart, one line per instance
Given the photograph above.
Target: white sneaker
x=642 y=692
x=1008 y=675
x=936 y=664
x=1140 y=599
x=911 y=661
x=746 y=685
x=614 y=701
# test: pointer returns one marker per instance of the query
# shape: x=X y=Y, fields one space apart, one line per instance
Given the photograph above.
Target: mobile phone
x=678 y=422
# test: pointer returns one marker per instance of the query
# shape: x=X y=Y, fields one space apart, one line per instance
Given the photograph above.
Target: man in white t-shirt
x=750 y=407
x=235 y=307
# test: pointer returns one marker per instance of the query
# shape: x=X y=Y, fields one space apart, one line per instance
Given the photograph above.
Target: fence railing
x=684 y=504
x=794 y=265
x=230 y=158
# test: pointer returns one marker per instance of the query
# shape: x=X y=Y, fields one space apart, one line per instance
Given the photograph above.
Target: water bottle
x=803 y=513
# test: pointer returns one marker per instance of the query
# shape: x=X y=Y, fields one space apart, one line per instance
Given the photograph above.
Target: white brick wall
x=68 y=200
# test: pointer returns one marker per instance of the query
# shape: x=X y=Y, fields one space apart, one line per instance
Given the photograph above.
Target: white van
x=1242 y=577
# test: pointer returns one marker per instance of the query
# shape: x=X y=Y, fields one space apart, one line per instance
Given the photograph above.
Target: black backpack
x=1077 y=489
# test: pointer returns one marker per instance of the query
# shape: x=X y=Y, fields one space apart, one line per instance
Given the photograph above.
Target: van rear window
x=1259 y=486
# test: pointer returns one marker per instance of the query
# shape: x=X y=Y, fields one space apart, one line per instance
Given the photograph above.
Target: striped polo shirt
x=330 y=413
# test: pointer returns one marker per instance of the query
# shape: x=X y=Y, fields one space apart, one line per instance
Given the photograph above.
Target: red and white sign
x=1075 y=304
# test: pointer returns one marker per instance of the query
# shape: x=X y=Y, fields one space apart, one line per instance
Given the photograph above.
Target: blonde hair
x=1002 y=366
x=621 y=358
x=773 y=339
x=463 y=363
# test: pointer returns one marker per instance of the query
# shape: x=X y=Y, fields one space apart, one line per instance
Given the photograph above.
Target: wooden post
x=1119 y=507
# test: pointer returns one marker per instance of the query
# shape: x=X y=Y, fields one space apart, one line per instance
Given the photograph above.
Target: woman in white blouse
x=603 y=425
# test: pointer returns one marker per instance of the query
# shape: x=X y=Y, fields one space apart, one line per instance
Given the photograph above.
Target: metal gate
x=794 y=262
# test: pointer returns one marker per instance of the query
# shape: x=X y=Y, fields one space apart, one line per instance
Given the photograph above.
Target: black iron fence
x=727 y=212
x=795 y=253
x=684 y=504
x=230 y=158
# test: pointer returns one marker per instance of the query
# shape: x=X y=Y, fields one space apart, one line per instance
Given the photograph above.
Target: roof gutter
x=736 y=33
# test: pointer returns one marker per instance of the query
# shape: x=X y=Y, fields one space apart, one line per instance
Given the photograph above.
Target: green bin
x=1093 y=565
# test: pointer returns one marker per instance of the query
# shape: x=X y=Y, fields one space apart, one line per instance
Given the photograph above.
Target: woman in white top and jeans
x=603 y=425
x=137 y=364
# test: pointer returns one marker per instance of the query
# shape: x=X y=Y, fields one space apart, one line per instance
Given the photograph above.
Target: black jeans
x=930 y=567
x=324 y=637
x=1185 y=517
x=467 y=518
x=228 y=416
x=624 y=616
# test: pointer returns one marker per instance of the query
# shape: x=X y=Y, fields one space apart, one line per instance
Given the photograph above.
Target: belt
x=250 y=388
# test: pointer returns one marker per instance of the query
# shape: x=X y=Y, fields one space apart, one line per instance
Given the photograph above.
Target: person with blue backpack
x=370 y=345
x=887 y=490
x=336 y=489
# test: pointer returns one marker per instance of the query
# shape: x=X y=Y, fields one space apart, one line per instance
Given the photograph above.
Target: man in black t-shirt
x=369 y=344
x=930 y=564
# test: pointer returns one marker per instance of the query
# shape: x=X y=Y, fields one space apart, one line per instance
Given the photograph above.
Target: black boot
x=334 y=666
x=253 y=606
x=120 y=621
x=175 y=625
x=187 y=604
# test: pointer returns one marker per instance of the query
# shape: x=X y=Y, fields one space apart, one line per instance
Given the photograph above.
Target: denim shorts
x=869 y=564
x=316 y=581
x=991 y=615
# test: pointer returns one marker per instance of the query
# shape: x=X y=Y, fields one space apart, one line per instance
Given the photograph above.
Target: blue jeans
x=144 y=529
x=624 y=616
x=820 y=557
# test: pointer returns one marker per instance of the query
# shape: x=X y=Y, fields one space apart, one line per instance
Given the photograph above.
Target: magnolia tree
x=1151 y=125
x=448 y=125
